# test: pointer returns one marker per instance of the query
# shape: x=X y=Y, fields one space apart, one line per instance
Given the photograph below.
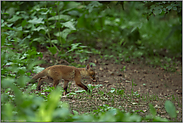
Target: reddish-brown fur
x=68 y=73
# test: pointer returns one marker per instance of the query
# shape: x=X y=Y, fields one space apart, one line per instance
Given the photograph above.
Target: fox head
x=90 y=72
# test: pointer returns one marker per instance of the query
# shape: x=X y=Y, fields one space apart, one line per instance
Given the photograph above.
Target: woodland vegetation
x=35 y=35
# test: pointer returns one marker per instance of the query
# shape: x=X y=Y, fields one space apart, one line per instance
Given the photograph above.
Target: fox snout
x=93 y=78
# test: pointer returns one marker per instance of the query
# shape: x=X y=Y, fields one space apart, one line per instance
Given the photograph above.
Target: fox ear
x=87 y=66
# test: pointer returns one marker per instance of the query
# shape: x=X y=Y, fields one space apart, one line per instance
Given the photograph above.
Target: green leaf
x=70 y=25
x=75 y=112
x=15 y=18
x=134 y=118
x=39 y=28
x=38 y=69
x=53 y=50
x=170 y=108
x=97 y=86
x=152 y=110
x=63 y=34
x=3 y=39
x=169 y=7
x=7 y=82
x=54 y=41
x=157 y=10
x=81 y=22
x=92 y=5
x=112 y=90
x=159 y=119
x=59 y=4
x=38 y=39
x=24 y=22
x=73 y=4
x=80 y=91
x=8 y=109
x=22 y=80
x=60 y=17
x=36 y=21
x=46 y=110
x=32 y=64
x=138 y=53
x=74 y=47
x=108 y=116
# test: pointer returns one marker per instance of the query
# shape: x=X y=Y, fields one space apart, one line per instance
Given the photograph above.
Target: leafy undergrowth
x=118 y=95
x=126 y=90
x=136 y=48
x=35 y=109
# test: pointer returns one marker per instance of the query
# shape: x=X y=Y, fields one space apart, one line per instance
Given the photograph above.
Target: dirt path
x=150 y=85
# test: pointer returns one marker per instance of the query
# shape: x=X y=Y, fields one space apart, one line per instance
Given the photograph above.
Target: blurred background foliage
x=149 y=31
x=153 y=27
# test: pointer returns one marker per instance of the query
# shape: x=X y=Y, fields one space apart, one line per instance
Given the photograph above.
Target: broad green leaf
x=137 y=54
x=63 y=112
x=47 y=109
x=87 y=118
x=70 y=25
x=75 y=112
x=170 y=108
x=59 y=4
x=54 y=41
x=97 y=86
x=169 y=7
x=63 y=34
x=38 y=69
x=152 y=110
x=8 y=28
x=39 y=39
x=112 y=90
x=60 y=17
x=36 y=21
x=73 y=4
x=157 y=10
x=159 y=119
x=22 y=80
x=7 y=82
x=92 y=5
x=39 y=28
x=108 y=116
x=134 y=118
x=8 y=109
x=15 y=18
x=53 y=50
x=3 y=38
x=80 y=91
x=82 y=22
x=74 y=46
x=24 y=22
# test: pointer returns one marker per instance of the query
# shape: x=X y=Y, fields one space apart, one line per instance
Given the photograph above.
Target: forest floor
x=135 y=87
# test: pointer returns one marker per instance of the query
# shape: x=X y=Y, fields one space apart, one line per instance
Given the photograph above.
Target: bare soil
x=149 y=85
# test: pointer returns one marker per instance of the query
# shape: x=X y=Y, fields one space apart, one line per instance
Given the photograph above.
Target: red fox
x=58 y=72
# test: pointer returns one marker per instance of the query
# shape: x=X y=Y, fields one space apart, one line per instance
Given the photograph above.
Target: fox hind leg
x=55 y=83
x=40 y=83
x=65 y=86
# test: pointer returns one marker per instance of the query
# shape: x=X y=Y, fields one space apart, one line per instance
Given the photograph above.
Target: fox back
x=69 y=72
x=58 y=72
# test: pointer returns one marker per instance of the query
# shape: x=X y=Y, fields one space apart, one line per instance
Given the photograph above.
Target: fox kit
x=68 y=73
